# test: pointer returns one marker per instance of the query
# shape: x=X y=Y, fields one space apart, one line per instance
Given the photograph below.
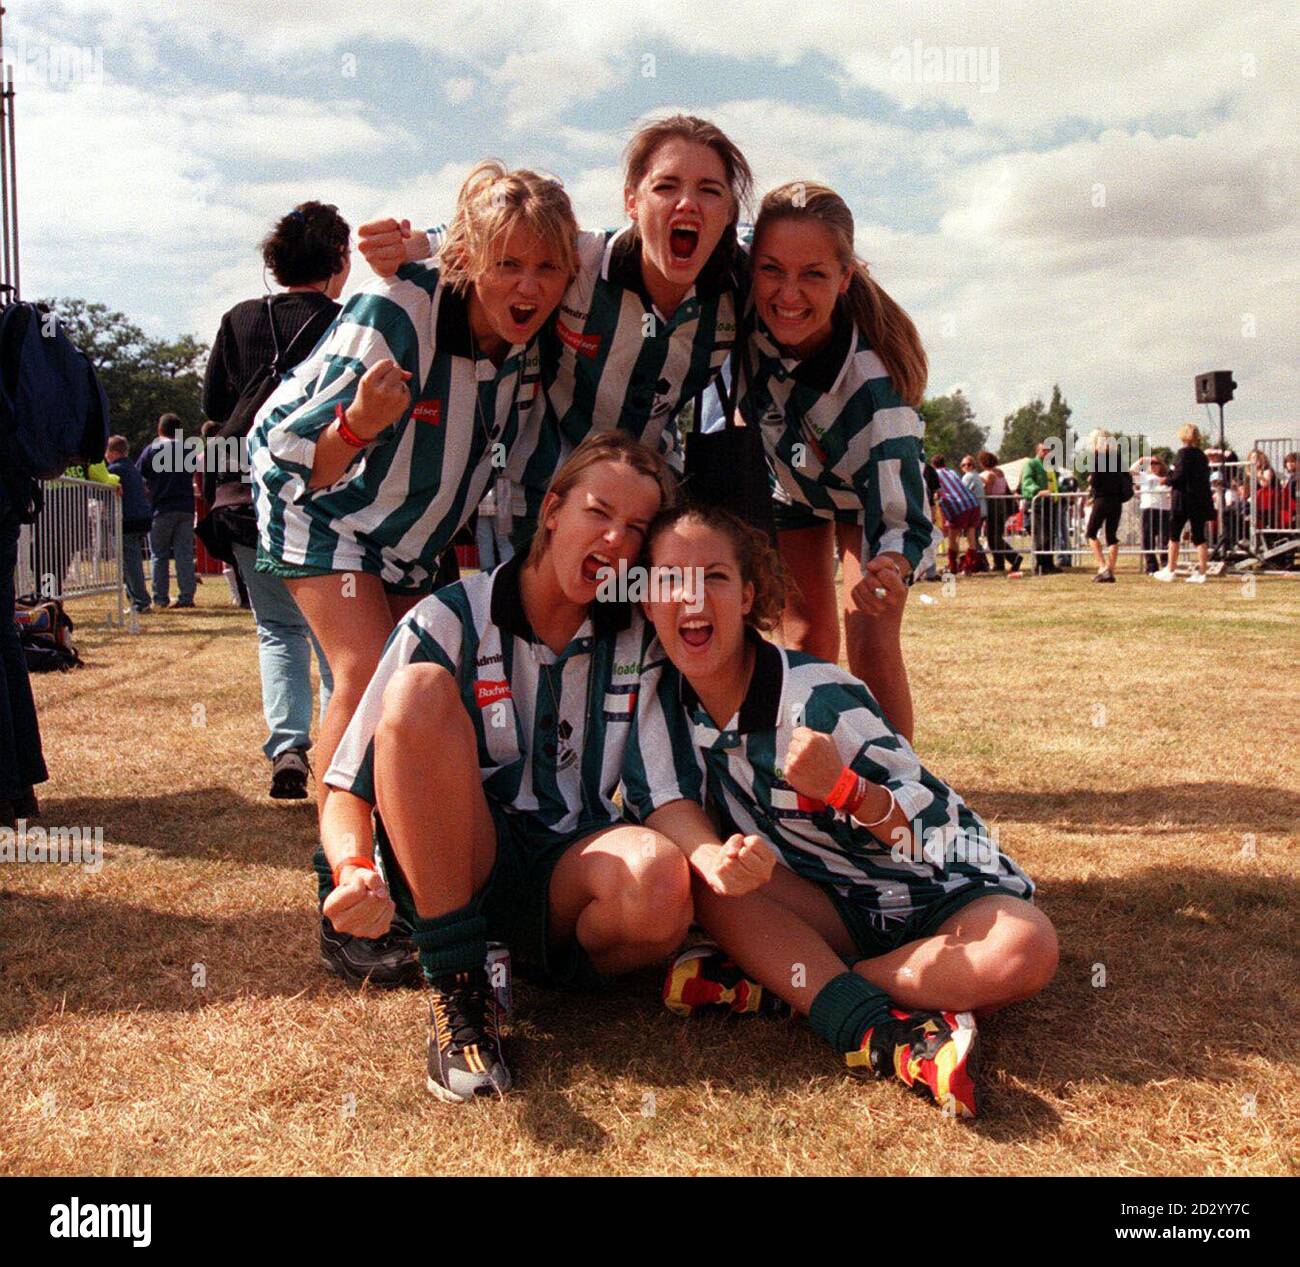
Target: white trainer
x=1163 y=575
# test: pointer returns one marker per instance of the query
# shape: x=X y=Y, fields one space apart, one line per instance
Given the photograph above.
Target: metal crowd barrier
x=74 y=548
x=1258 y=511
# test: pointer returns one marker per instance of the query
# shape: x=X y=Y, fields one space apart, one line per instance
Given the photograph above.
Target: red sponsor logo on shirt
x=807 y=805
x=486 y=693
x=429 y=411
x=583 y=344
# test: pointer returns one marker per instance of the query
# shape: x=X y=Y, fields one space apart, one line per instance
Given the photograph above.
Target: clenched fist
x=360 y=905
x=742 y=865
x=812 y=763
x=382 y=398
x=881 y=591
x=388 y=244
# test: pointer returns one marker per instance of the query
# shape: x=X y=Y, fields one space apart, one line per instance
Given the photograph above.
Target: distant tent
x=1013 y=470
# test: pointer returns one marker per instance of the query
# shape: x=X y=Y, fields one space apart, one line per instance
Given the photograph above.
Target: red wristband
x=844 y=788
x=367 y=863
x=856 y=797
x=346 y=434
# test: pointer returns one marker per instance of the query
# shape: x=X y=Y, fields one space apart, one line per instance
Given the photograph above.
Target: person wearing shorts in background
x=961 y=511
x=1107 y=484
x=1192 y=504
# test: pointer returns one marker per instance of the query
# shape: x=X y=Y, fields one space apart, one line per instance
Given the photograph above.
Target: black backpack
x=1125 y=487
x=44 y=631
x=231 y=520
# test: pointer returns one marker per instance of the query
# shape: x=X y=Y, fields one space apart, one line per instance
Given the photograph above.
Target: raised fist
x=812 y=763
x=382 y=398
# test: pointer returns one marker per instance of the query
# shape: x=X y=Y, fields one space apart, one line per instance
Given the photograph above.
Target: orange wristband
x=367 y=863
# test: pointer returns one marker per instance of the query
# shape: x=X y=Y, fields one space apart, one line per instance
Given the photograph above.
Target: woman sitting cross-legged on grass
x=492 y=739
x=899 y=879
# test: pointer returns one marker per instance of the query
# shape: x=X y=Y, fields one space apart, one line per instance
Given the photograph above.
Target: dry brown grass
x=113 y=1062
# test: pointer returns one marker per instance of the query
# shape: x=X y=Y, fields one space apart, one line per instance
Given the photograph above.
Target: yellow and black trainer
x=465 y=1038
x=703 y=980
x=934 y=1052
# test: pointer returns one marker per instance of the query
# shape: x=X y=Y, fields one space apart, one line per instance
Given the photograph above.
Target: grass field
x=1135 y=744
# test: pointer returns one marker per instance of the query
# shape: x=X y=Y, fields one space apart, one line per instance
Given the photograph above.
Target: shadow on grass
x=1183 y=806
x=1165 y=978
x=212 y=823
x=66 y=956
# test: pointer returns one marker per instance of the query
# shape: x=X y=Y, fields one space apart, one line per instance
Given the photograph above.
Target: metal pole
x=6 y=93
x=13 y=178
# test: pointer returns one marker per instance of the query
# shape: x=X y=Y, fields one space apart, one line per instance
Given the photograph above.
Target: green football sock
x=845 y=1008
x=455 y=942
x=324 y=876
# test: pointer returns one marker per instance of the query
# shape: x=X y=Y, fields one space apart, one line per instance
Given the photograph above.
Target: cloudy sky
x=1099 y=195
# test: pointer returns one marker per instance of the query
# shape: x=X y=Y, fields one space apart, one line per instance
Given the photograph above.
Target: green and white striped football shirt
x=839 y=438
x=950 y=846
x=555 y=734
x=404 y=496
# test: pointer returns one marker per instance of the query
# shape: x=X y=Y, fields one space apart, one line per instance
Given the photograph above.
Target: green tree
x=950 y=427
x=1033 y=423
x=142 y=377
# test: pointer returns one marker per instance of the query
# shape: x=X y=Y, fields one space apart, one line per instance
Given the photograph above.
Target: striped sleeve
x=377 y=324
x=889 y=476
x=430 y=634
x=660 y=763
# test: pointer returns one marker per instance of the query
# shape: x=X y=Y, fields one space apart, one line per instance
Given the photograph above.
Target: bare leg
x=811 y=619
x=785 y=935
x=351 y=617
x=434 y=811
x=875 y=651
x=625 y=894
x=996 y=951
x=788 y=936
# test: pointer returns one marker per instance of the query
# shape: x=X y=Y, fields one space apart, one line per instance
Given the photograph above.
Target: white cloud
x=459 y=90
x=1231 y=182
x=541 y=84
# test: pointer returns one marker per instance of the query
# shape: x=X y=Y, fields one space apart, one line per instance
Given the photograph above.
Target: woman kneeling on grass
x=493 y=739
x=882 y=866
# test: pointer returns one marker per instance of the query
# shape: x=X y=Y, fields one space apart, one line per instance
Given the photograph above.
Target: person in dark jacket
x=135 y=520
x=22 y=764
x=308 y=253
x=1107 y=483
x=1192 y=504
x=171 y=499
